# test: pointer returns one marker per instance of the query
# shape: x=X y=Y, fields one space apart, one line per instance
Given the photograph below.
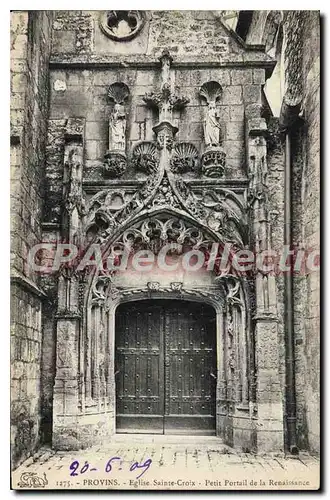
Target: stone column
x=268 y=388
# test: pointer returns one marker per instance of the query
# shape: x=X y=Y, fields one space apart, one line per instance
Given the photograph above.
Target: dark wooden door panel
x=140 y=367
x=165 y=360
x=190 y=350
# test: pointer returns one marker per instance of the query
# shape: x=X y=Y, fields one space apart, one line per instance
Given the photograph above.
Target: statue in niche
x=166 y=60
x=212 y=126
x=211 y=93
x=117 y=128
x=115 y=162
x=213 y=159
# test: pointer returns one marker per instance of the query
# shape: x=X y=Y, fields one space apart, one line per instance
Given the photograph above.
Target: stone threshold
x=181 y=440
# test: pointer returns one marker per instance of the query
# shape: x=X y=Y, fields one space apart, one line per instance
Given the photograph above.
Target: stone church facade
x=137 y=130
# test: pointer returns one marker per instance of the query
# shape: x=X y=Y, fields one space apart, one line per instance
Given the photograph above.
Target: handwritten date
x=112 y=464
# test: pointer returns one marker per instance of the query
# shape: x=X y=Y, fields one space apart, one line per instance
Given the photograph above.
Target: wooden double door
x=165 y=367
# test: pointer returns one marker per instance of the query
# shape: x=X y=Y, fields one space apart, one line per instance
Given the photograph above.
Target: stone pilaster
x=269 y=409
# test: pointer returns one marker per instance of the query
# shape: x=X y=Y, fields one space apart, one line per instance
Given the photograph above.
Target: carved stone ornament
x=213 y=162
x=165 y=196
x=210 y=91
x=74 y=130
x=122 y=25
x=118 y=92
x=106 y=291
x=165 y=132
x=184 y=158
x=114 y=164
x=145 y=157
x=165 y=100
x=153 y=285
x=165 y=230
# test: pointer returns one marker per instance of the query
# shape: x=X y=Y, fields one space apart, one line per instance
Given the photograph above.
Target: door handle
x=212 y=375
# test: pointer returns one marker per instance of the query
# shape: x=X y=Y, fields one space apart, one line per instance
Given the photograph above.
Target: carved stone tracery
x=122 y=25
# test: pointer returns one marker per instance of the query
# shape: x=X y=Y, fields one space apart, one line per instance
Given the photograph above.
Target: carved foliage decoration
x=213 y=162
x=145 y=157
x=165 y=100
x=114 y=164
x=104 y=291
x=184 y=158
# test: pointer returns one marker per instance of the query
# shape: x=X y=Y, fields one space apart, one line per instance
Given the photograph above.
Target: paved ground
x=162 y=462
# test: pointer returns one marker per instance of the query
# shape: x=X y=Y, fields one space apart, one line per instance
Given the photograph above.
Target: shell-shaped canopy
x=145 y=148
x=210 y=91
x=118 y=92
x=184 y=150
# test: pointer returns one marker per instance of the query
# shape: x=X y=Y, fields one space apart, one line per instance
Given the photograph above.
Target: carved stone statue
x=211 y=93
x=166 y=60
x=214 y=157
x=165 y=101
x=212 y=126
x=117 y=128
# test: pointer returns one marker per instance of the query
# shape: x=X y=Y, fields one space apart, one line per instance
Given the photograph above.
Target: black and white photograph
x=165 y=249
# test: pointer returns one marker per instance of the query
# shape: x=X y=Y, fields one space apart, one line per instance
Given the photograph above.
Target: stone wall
x=30 y=48
x=299 y=58
x=181 y=32
x=307 y=293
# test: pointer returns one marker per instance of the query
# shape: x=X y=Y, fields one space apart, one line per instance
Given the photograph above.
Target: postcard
x=165 y=251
